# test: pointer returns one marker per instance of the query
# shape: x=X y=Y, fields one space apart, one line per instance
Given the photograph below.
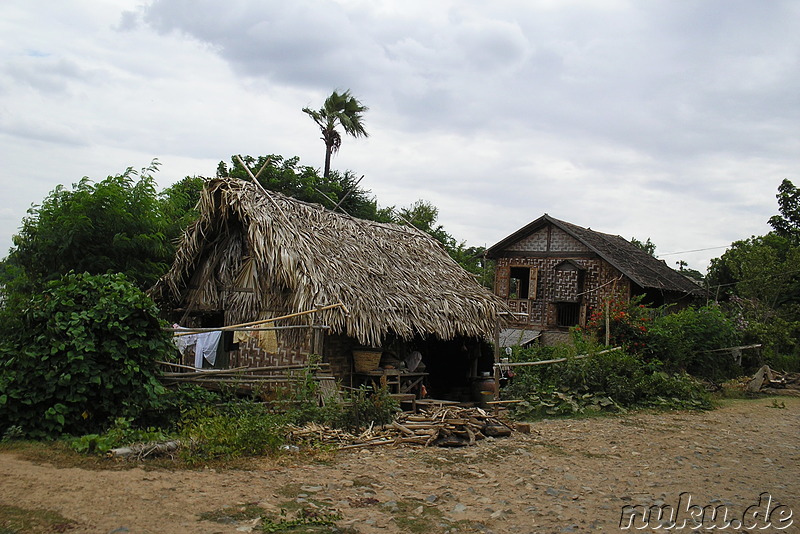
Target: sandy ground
x=565 y=476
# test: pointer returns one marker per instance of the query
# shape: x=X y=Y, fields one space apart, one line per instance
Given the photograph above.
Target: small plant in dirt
x=231 y=431
x=119 y=434
x=355 y=410
x=304 y=520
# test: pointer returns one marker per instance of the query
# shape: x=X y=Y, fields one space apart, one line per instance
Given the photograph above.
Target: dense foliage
x=80 y=354
x=757 y=281
x=111 y=226
x=287 y=176
x=609 y=381
x=687 y=340
x=693 y=340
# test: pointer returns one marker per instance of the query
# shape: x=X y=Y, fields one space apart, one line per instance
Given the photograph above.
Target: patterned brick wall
x=534 y=242
x=599 y=282
x=560 y=241
x=290 y=352
x=566 y=287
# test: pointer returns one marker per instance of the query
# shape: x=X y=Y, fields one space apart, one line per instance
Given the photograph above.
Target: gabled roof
x=642 y=268
x=253 y=252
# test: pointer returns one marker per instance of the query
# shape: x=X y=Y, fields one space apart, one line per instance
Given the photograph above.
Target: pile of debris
x=767 y=380
x=445 y=427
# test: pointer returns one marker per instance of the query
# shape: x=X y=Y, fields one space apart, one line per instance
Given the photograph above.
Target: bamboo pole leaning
x=556 y=360
x=273 y=319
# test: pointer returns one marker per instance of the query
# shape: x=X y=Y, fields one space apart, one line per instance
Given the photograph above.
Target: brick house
x=553 y=274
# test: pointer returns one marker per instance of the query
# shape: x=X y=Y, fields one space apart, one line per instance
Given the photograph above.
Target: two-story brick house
x=553 y=274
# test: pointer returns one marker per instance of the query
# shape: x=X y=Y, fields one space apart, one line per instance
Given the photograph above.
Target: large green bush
x=79 y=355
x=608 y=381
x=689 y=340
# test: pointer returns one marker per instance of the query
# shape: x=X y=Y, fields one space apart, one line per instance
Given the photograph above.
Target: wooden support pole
x=273 y=319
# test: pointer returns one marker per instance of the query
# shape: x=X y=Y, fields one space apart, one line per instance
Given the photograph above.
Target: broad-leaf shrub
x=611 y=381
x=689 y=340
x=80 y=355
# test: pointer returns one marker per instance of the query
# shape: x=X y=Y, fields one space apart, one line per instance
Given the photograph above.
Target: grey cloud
x=47 y=73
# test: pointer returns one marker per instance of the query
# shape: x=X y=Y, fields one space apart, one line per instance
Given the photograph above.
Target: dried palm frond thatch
x=254 y=254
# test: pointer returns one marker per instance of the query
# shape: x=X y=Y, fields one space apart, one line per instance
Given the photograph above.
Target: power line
x=695 y=250
x=765 y=277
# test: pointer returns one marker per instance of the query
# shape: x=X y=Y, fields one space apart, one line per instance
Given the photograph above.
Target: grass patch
x=418 y=523
x=227 y=514
x=418 y=518
x=14 y=519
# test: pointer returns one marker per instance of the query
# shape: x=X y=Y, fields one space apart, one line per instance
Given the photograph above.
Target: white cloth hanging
x=207 y=345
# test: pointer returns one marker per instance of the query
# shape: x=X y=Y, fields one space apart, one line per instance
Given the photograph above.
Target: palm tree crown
x=338 y=110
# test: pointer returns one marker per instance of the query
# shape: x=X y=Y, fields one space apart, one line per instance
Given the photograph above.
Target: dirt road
x=565 y=476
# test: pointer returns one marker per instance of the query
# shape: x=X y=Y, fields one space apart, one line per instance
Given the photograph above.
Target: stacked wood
x=767 y=380
x=445 y=427
x=448 y=426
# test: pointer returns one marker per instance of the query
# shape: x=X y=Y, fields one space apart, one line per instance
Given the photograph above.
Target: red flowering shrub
x=629 y=323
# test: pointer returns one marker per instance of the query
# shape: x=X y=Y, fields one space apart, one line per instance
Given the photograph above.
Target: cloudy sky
x=674 y=121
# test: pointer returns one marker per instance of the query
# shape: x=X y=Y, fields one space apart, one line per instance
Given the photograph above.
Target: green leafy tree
x=178 y=205
x=287 y=176
x=688 y=340
x=79 y=354
x=763 y=268
x=115 y=225
x=339 y=110
x=758 y=279
x=648 y=246
x=787 y=224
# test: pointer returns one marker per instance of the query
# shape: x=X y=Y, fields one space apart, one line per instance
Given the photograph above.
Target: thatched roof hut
x=253 y=254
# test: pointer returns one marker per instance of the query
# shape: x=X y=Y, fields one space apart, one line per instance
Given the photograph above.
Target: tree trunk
x=328 y=151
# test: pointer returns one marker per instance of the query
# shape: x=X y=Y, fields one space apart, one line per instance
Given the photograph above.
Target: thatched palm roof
x=254 y=253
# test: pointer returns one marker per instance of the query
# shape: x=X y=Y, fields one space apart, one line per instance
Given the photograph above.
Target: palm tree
x=338 y=110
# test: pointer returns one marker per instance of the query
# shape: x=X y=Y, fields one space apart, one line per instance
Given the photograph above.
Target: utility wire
x=695 y=250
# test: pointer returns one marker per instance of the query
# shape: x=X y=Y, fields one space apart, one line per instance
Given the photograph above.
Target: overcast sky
x=674 y=121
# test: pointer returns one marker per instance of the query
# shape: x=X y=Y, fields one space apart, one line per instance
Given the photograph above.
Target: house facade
x=553 y=274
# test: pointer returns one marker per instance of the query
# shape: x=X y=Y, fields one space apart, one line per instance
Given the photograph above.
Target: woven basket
x=366 y=360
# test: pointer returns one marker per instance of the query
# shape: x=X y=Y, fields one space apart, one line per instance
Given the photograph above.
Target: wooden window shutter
x=501 y=278
x=533 y=288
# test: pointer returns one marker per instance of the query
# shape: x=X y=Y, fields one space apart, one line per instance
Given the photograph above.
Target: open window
x=522 y=282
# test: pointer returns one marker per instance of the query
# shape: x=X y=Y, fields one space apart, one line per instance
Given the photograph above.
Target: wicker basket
x=366 y=360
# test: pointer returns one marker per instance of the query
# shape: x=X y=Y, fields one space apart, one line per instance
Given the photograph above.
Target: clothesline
x=190 y=330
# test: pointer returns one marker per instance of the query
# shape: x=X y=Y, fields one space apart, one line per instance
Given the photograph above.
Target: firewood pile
x=445 y=427
x=767 y=380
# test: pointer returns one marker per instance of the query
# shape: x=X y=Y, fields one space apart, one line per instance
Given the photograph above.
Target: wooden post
x=608 y=324
x=496 y=367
